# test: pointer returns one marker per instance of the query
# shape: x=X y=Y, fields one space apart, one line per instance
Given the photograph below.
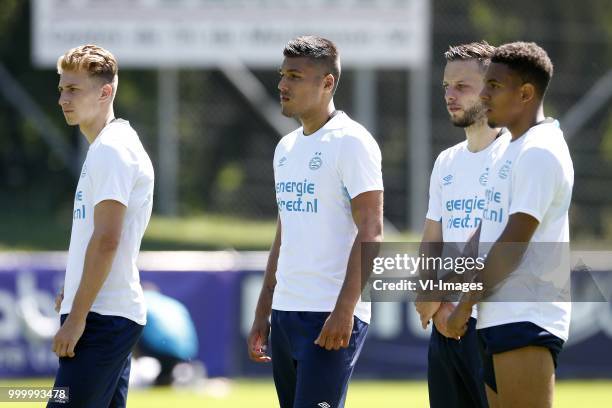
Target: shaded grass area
x=21 y=231
x=362 y=394
x=35 y=232
x=207 y=232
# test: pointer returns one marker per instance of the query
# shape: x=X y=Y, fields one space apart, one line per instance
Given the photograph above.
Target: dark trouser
x=305 y=374
x=454 y=372
x=98 y=374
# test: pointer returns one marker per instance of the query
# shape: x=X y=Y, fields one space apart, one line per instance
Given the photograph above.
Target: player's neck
x=314 y=121
x=479 y=136
x=92 y=130
x=525 y=122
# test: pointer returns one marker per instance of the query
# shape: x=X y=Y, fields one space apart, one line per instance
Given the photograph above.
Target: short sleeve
x=359 y=164
x=534 y=182
x=111 y=173
x=434 y=209
x=275 y=160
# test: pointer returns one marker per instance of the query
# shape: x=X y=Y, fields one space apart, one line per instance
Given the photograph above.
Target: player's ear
x=106 y=92
x=329 y=82
x=528 y=92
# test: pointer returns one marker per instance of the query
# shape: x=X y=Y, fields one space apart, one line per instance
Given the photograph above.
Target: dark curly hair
x=529 y=61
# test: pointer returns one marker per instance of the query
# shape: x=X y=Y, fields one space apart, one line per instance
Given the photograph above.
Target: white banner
x=206 y=33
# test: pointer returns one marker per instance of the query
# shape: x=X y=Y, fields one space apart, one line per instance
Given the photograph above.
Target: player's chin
x=492 y=124
x=71 y=121
x=460 y=121
x=287 y=111
x=492 y=121
x=457 y=121
x=455 y=117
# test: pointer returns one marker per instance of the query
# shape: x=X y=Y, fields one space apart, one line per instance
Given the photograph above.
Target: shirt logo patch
x=504 y=171
x=447 y=180
x=316 y=162
x=282 y=161
x=484 y=177
x=84 y=171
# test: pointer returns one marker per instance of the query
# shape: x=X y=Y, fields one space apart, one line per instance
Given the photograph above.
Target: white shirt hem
x=105 y=312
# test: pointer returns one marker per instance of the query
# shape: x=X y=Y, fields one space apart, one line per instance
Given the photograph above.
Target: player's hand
x=336 y=331
x=67 y=337
x=440 y=319
x=426 y=311
x=58 y=299
x=456 y=324
x=257 y=342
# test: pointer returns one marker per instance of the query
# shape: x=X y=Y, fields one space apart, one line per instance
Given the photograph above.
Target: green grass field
x=362 y=394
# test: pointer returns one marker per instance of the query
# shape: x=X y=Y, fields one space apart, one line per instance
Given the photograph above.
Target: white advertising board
x=206 y=33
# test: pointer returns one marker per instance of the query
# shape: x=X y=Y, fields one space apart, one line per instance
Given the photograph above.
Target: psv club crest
x=316 y=162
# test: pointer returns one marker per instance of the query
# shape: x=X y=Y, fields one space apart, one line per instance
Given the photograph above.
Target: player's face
x=501 y=95
x=301 y=86
x=462 y=85
x=79 y=97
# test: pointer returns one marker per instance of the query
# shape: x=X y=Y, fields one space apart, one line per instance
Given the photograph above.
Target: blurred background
x=198 y=82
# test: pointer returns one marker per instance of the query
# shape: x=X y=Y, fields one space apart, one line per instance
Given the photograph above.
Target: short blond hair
x=96 y=61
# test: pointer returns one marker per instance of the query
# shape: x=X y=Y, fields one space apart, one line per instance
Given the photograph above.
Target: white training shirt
x=534 y=176
x=456 y=189
x=316 y=176
x=117 y=168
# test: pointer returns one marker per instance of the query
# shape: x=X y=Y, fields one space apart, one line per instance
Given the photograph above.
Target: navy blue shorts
x=512 y=336
x=98 y=374
x=305 y=374
x=454 y=370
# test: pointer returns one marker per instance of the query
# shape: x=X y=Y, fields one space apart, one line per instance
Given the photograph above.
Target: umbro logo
x=282 y=161
x=447 y=180
x=323 y=405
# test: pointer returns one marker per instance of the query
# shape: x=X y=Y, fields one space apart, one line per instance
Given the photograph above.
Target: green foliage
x=230 y=178
x=9 y=16
x=493 y=24
x=606 y=143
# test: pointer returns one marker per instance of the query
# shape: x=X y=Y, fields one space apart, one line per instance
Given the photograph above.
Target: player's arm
x=431 y=246
x=431 y=243
x=367 y=211
x=503 y=258
x=440 y=317
x=507 y=252
x=258 y=336
x=103 y=244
